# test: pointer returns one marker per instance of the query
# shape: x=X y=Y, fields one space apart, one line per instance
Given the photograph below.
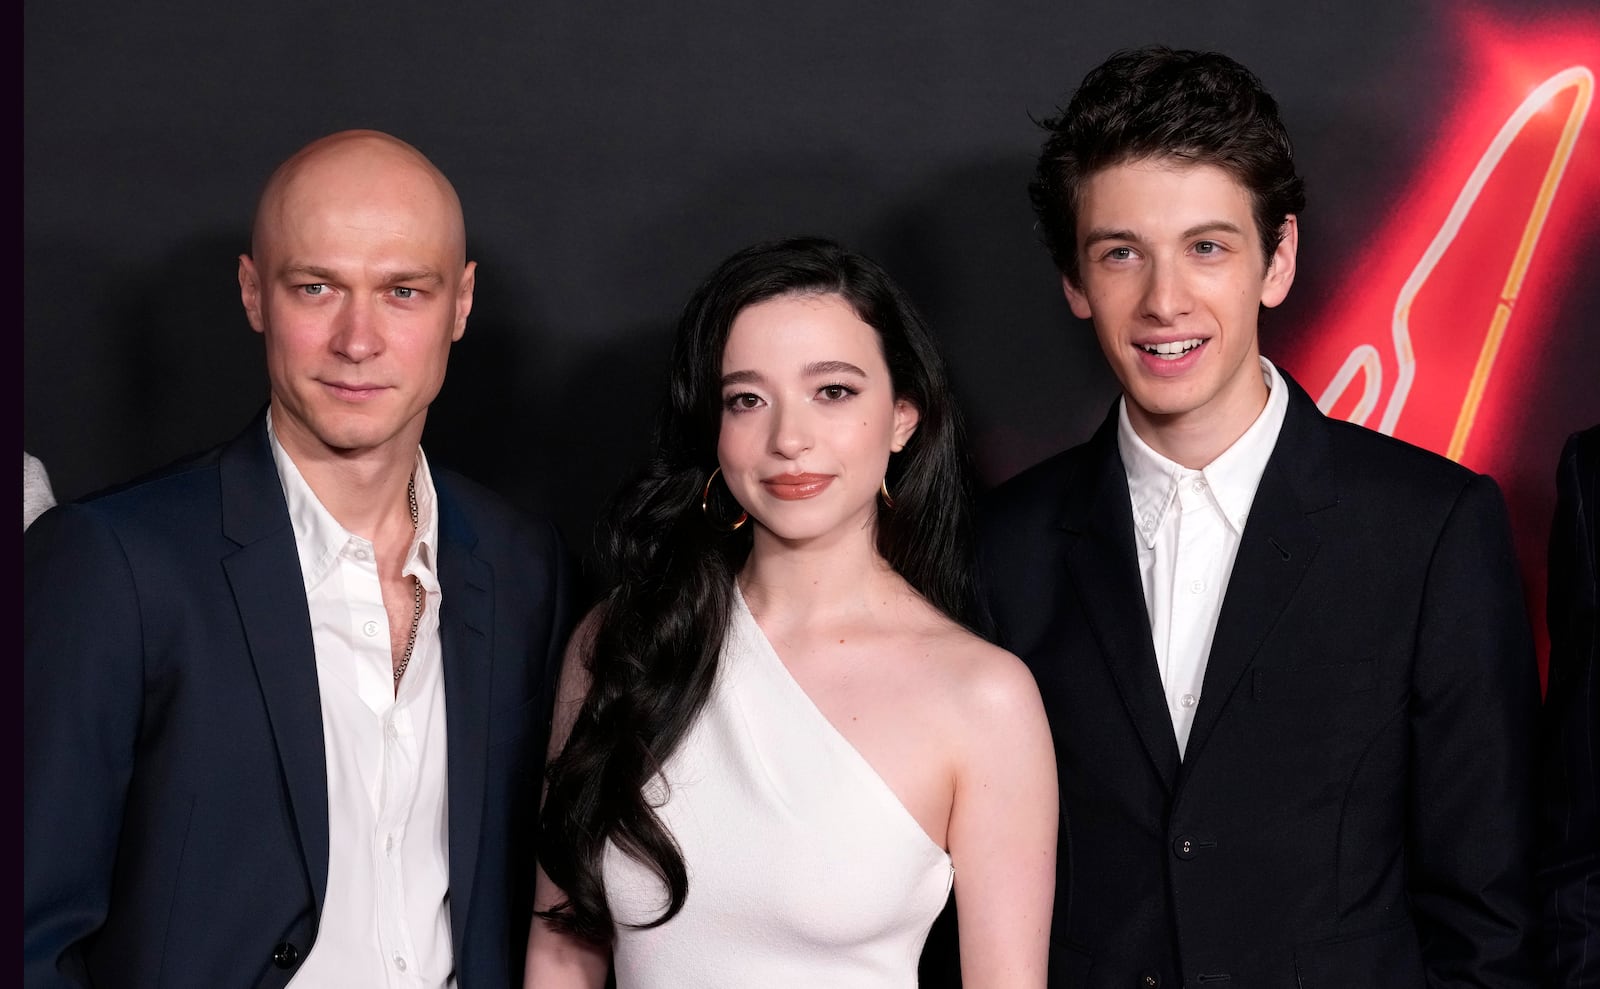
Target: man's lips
x=1171 y=349
x=794 y=487
x=353 y=392
x=1170 y=358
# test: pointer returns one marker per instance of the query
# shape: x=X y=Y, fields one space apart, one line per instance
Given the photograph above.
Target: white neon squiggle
x=1365 y=357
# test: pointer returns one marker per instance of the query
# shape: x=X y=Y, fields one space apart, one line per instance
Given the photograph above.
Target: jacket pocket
x=1069 y=966
x=1386 y=959
x=514 y=725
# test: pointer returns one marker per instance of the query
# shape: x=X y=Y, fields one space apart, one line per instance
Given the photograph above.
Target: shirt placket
x=1189 y=611
x=399 y=781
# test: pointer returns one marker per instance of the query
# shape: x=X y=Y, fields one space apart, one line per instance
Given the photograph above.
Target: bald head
x=355 y=170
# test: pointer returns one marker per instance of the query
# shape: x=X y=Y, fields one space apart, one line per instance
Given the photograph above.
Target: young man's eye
x=316 y=288
x=402 y=292
x=1119 y=254
x=1208 y=247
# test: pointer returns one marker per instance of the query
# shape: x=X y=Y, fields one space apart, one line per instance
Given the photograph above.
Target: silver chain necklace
x=416 y=603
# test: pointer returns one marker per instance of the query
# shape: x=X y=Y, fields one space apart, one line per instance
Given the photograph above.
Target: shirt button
x=1197 y=586
x=1198 y=486
x=399 y=963
x=388 y=843
x=370 y=629
x=1188 y=700
x=360 y=554
x=1148 y=523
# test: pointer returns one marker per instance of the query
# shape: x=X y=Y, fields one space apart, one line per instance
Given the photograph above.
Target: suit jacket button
x=1184 y=847
x=285 y=955
x=1150 y=980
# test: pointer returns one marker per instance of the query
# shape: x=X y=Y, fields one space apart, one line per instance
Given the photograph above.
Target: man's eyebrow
x=397 y=277
x=431 y=275
x=1108 y=233
x=307 y=271
x=833 y=367
x=1211 y=227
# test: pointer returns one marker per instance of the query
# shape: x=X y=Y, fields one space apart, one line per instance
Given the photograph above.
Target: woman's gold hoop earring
x=883 y=489
x=705 y=506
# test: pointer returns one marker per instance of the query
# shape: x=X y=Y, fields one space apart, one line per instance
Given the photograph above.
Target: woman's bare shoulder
x=982 y=680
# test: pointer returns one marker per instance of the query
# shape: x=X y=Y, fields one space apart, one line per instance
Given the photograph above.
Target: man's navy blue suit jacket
x=175 y=810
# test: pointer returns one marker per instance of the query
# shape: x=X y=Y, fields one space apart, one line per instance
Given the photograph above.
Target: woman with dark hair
x=779 y=739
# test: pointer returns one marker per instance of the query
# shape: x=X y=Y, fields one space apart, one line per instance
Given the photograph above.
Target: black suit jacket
x=175 y=812
x=1570 y=823
x=1354 y=808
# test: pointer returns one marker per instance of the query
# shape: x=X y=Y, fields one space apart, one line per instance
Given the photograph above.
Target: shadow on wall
x=1029 y=375
x=549 y=421
x=163 y=364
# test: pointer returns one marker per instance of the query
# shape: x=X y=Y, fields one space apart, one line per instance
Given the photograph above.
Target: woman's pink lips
x=794 y=487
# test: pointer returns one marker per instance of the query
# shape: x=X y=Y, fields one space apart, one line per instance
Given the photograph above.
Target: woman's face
x=809 y=417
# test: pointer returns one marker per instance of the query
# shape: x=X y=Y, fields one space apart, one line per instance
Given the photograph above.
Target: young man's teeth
x=1171 y=351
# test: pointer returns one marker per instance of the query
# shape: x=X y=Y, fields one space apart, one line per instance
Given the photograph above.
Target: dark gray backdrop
x=609 y=155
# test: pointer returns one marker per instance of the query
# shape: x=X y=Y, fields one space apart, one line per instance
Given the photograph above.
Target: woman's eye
x=741 y=402
x=834 y=393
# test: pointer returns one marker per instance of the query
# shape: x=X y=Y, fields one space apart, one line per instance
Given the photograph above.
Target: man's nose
x=357 y=335
x=1167 y=293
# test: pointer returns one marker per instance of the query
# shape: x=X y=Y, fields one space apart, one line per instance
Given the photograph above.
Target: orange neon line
x=1582 y=80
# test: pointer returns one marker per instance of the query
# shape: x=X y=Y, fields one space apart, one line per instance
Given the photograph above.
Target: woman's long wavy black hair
x=653 y=656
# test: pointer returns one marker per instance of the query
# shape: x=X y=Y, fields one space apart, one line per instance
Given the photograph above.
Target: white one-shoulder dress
x=804 y=867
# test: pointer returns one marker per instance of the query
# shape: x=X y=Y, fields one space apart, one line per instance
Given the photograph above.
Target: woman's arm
x=556 y=960
x=1003 y=829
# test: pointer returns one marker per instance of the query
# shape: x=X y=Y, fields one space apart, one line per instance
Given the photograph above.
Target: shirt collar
x=1231 y=479
x=320 y=539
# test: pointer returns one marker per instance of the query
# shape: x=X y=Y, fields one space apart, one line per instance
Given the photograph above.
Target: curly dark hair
x=1163 y=103
x=658 y=639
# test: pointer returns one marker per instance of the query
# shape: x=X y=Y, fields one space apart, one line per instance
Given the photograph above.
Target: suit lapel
x=264 y=575
x=466 y=624
x=1105 y=568
x=1275 y=551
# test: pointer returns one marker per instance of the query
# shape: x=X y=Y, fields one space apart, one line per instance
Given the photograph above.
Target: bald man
x=285 y=703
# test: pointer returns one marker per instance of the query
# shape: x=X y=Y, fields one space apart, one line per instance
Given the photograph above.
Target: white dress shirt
x=1188 y=524
x=385 y=918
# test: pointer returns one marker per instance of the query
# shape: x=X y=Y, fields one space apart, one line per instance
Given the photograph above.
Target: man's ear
x=250 y=292
x=1075 y=298
x=906 y=418
x=469 y=281
x=1280 y=270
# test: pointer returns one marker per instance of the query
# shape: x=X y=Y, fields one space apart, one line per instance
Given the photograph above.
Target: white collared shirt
x=385 y=917
x=1187 y=525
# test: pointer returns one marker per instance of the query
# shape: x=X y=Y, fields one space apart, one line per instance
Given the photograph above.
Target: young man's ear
x=1280 y=270
x=1075 y=298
